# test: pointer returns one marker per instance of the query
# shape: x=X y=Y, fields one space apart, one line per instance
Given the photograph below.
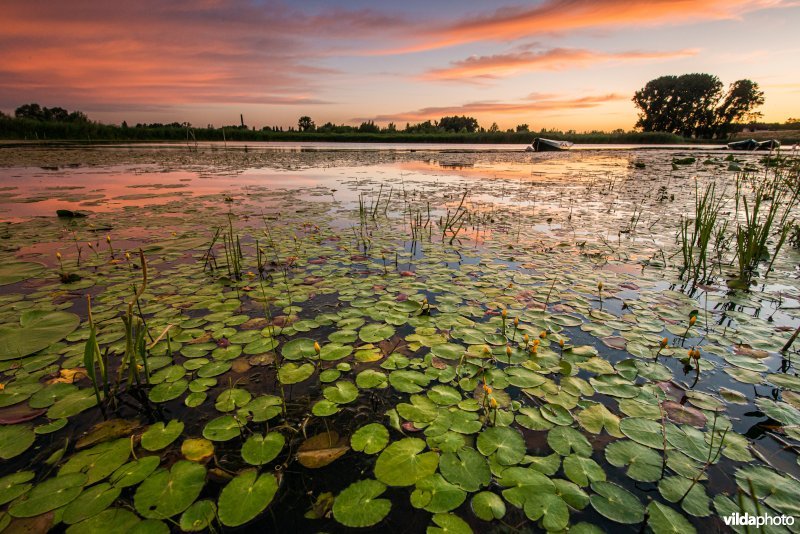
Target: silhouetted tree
x=369 y=127
x=523 y=128
x=305 y=124
x=458 y=124
x=693 y=105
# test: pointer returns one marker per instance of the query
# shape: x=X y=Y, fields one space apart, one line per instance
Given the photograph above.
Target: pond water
x=330 y=340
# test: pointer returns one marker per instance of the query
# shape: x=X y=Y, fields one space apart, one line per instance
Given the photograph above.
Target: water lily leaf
x=262 y=408
x=436 y=495
x=292 y=373
x=197 y=449
x=134 y=472
x=223 y=428
x=232 y=398
x=158 y=436
x=342 y=392
x=421 y=410
x=370 y=439
x=449 y=524
x=99 y=461
x=403 y=463
x=597 y=417
x=91 y=502
x=325 y=408
x=14 y=485
x=616 y=503
x=564 y=439
x=15 y=439
x=51 y=494
x=167 y=493
x=123 y=520
x=505 y=444
x=260 y=449
x=557 y=414
x=466 y=468
x=448 y=351
x=444 y=395
x=106 y=430
x=198 y=516
x=299 y=348
x=12 y=272
x=322 y=449
x=582 y=470
x=408 y=381
x=664 y=520
x=167 y=391
x=778 y=491
x=245 y=497
x=696 y=502
x=780 y=411
x=375 y=332
x=371 y=378
x=644 y=431
x=37 y=330
x=682 y=414
x=488 y=506
x=357 y=505
x=644 y=464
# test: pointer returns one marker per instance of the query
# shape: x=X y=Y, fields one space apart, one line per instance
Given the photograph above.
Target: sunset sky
x=567 y=64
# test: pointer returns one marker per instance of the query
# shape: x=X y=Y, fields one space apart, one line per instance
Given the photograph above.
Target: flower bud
x=599 y=286
x=543 y=334
x=664 y=342
x=58 y=255
x=317 y=348
x=692 y=320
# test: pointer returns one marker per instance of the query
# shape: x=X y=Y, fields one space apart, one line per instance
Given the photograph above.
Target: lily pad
x=292 y=373
x=15 y=439
x=168 y=493
x=245 y=497
x=357 y=505
x=370 y=439
x=159 y=436
x=321 y=450
x=51 y=494
x=37 y=330
x=403 y=463
x=488 y=506
x=260 y=449
x=616 y=503
x=504 y=444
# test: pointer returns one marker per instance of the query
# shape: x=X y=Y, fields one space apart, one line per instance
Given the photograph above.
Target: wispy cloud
x=526 y=60
x=558 y=16
x=532 y=103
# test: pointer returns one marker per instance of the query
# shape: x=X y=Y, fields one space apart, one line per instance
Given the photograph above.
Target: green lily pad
x=12 y=272
x=643 y=431
x=370 y=439
x=37 y=330
x=15 y=439
x=357 y=505
x=159 y=436
x=167 y=391
x=466 y=468
x=99 y=461
x=299 y=348
x=488 y=506
x=505 y=444
x=292 y=373
x=616 y=503
x=90 y=503
x=168 y=493
x=436 y=495
x=223 y=428
x=582 y=470
x=403 y=463
x=14 y=485
x=644 y=464
x=245 y=497
x=260 y=450
x=664 y=520
x=564 y=439
x=342 y=392
x=198 y=516
x=134 y=472
x=448 y=524
x=51 y=494
x=375 y=332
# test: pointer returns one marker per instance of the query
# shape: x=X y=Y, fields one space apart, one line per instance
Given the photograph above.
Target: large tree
x=305 y=124
x=694 y=105
x=458 y=124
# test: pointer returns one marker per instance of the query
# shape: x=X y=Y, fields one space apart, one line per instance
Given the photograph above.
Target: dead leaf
x=106 y=430
x=321 y=450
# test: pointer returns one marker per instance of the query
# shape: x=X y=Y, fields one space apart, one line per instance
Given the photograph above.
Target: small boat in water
x=548 y=145
x=752 y=144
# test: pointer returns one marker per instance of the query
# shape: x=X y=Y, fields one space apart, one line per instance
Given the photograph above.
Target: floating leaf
x=371 y=438
x=15 y=439
x=321 y=450
x=488 y=506
x=375 y=332
x=616 y=504
x=644 y=431
x=342 y=392
x=91 y=502
x=223 y=428
x=246 y=496
x=167 y=493
x=504 y=443
x=466 y=468
x=435 y=494
x=37 y=330
x=292 y=373
x=134 y=472
x=403 y=463
x=582 y=471
x=644 y=464
x=597 y=417
x=51 y=494
x=197 y=449
x=358 y=506
x=198 y=516
x=159 y=436
x=12 y=272
x=449 y=524
x=99 y=461
x=564 y=439
x=664 y=520
x=14 y=485
x=260 y=450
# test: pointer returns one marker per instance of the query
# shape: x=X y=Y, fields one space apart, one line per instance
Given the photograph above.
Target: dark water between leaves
x=422 y=278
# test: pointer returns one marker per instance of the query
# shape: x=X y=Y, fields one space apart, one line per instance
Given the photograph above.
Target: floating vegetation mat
x=449 y=343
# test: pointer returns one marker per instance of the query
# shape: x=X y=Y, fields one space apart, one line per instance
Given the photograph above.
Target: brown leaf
x=681 y=414
x=615 y=342
x=747 y=350
x=106 y=430
x=19 y=413
x=321 y=450
x=240 y=365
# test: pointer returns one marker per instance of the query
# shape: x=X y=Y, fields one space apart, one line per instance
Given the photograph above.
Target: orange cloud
x=558 y=16
x=528 y=61
x=533 y=103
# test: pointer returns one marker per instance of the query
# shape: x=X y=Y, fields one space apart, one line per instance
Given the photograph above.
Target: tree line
x=672 y=108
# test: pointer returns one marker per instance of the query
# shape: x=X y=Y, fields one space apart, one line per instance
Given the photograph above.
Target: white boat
x=548 y=145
